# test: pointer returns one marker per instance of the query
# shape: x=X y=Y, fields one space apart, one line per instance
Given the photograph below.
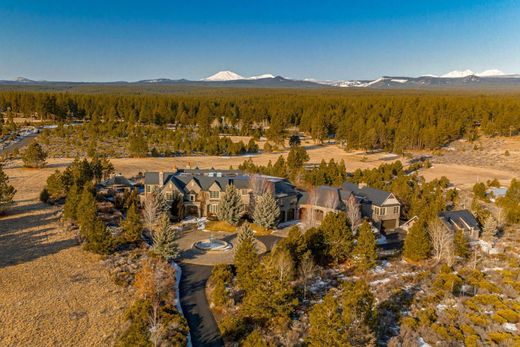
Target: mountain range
x=494 y=79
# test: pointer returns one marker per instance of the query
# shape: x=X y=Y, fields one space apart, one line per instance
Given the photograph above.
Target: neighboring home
x=495 y=193
x=117 y=184
x=461 y=220
x=202 y=189
x=381 y=207
x=316 y=203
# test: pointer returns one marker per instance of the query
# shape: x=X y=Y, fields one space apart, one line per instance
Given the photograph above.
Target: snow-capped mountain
x=459 y=79
x=467 y=72
x=458 y=74
x=224 y=76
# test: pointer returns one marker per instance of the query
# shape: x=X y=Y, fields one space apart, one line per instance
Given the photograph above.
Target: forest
x=393 y=121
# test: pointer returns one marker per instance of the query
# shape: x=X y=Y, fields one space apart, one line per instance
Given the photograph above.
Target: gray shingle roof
x=376 y=196
x=324 y=196
x=460 y=219
x=117 y=180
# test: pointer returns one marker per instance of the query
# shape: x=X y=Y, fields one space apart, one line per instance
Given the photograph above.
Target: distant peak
x=224 y=76
x=458 y=74
x=22 y=79
x=492 y=72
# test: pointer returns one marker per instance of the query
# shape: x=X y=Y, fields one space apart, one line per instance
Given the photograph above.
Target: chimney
x=161 y=178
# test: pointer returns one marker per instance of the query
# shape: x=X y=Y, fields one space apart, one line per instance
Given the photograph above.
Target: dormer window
x=214 y=194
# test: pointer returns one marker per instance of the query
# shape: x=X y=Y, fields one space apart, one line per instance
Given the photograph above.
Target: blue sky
x=132 y=40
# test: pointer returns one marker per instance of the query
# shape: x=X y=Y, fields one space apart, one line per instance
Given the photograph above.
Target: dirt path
x=52 y=293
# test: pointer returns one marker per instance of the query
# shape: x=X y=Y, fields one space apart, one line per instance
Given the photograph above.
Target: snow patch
x=422 y=343
x=510 y=327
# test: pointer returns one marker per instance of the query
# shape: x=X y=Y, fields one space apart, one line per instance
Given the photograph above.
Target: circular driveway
x=191 y=255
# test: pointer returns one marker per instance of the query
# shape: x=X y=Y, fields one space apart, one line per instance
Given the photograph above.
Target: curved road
x=203 y=327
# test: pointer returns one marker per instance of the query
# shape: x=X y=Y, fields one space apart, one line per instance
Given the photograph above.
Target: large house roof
x=459 y=220
x=117 y=180
x=376 y=196
x=207 y=177
x=324 y=196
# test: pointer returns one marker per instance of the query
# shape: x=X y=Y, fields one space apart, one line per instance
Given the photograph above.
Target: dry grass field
x=466 y=163
x=52 y=293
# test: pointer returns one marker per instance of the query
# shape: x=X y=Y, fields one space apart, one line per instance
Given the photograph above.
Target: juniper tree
x=345 y=318
x=266 y=211
x=417 y=244
x=164 y=240
x=230 y=207
x=365 y=251
x=34 y=156
x=246 y=256
x=7 y=191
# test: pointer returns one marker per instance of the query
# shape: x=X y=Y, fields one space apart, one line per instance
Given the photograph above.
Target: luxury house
x=380 y=207
x=461 y=220
x=203 y=189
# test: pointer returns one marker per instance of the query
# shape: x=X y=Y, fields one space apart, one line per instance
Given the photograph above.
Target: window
x=383 y=211
x=213 y=208
x=396 y=209
x=192 y=197
x=214 y=194
x=169 y=196
x=376 y=211
x=148 y=188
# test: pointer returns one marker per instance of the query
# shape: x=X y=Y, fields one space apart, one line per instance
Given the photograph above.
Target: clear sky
x=131 y=40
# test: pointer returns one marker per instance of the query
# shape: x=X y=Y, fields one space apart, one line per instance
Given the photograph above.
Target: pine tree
x=97 y=237
x=461 y=244
x=34 y=156
x=365 y=251
x=7 y=191
x=71 y=204
x=132 y=226
x=246 y=256
x=417 y=244
x=164 y=240
x=88 y=208
x=297 y=157
x=326 y=324
x=338 y=236
x=230 y=207
x=266 y=211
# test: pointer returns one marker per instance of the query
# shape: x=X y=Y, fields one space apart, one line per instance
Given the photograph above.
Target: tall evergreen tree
x=164 y=240
x=230 y=207
x=266 y=211
x=132 y=226
x=246 y=256
x=7 y=191
x=365 y=251
x=417 y=244
x=338 y=236
x=71 y=203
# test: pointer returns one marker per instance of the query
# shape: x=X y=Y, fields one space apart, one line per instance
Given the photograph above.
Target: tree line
x=394 y=121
